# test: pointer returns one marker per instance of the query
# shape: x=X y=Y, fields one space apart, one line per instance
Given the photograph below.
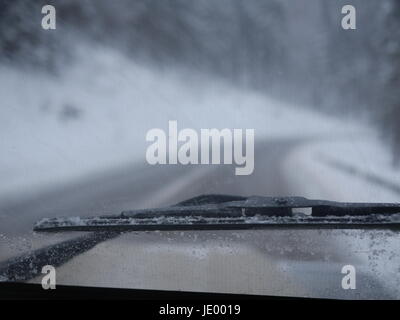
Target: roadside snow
x=354 y=169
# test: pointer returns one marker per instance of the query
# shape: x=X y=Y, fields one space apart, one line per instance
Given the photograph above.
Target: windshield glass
x=108 y=106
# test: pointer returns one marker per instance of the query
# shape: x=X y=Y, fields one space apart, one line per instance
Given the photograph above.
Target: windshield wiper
x=224 y=212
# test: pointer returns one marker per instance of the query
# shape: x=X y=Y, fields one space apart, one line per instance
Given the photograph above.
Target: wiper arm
x=223 y=212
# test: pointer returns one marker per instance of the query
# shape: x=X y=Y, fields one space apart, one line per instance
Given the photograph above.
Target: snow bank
x=353 y=169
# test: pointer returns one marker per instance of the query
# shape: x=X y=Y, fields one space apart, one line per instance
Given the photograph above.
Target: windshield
x=111 y=106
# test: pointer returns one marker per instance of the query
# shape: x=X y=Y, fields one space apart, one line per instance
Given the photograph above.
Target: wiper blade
x=223 y=212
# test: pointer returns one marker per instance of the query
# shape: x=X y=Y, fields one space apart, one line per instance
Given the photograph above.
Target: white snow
x=95 y=116
x=308 y=168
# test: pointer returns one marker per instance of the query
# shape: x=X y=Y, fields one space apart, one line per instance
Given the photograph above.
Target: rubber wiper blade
x=225 y=212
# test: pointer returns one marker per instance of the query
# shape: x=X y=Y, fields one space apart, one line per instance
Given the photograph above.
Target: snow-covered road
x=94 y=117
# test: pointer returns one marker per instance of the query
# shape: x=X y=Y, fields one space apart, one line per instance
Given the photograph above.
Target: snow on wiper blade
x=221 y=212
